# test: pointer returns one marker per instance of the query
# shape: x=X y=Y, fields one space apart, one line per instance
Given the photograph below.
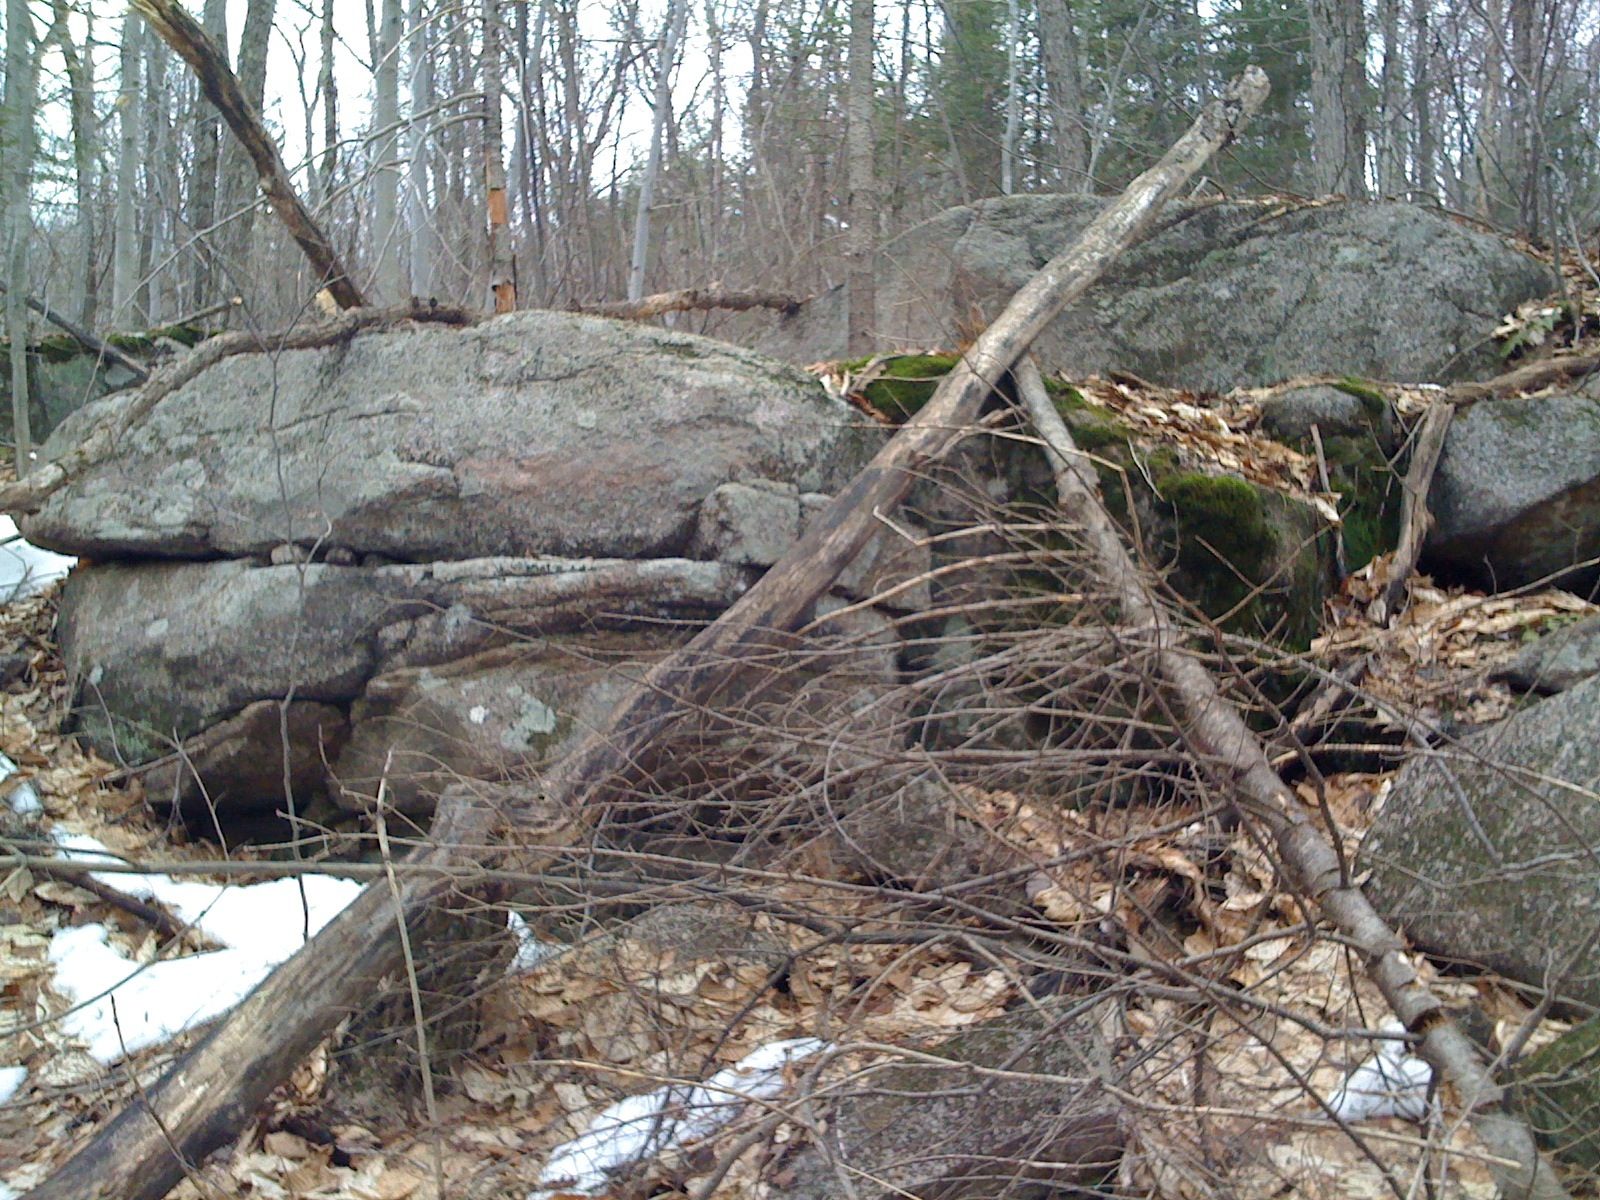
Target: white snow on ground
x=121 y=1006
x=1392 y=1083
x=24 y=568
x=531 y=951
x=24 y=799
x=640 y=1127
x=10 y=1080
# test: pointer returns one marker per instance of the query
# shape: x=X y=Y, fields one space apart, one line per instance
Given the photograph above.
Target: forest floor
x=1231 y=1097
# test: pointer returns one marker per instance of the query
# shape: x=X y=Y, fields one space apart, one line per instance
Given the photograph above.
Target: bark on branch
x=180 y=31
x=207 y=1096
x=1415 y=520
x=1216 y=730
x=691 y=300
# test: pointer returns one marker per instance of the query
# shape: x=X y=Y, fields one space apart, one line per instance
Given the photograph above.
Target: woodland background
x=651 y=144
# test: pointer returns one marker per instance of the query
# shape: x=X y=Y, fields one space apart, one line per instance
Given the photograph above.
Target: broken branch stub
x=211 y=1093
x=1232 y=753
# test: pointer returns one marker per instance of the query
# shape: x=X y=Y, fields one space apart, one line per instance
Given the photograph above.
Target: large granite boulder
x=534 y=433
x=1485 y=851
x=368 y=526
x=1219 y=295
x=1517 y=494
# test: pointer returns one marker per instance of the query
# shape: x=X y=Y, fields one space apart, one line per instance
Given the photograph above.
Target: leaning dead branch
x=1218 y=731
x=692 y=300
x=26 y=496
x=1415 y=520
x=204 y=1100
x=1547 y=372
x=180 y=31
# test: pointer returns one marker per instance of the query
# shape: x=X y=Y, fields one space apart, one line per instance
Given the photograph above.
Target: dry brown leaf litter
x=1220 y=1089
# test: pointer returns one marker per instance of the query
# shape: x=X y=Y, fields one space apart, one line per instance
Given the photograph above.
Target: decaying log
x=691 y=299
x=26 y=495
x=1544 y=373
x=1234 y=755
x=180 y=31
x=84 y=338
x=1415 y=520
x=209 y=1095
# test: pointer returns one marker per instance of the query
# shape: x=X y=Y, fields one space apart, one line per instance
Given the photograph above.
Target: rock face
x=535 y=433
x=1220 y=295
x=1517 y=494
x=375 y=531
x=1484 y=853
x=1560 y=659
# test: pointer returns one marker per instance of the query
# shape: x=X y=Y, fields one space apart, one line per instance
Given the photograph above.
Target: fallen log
x=84 y=338
x=210 y=1094
x=1236 y=757
x=691 y=300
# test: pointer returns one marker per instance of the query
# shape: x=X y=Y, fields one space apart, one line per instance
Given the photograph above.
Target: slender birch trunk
x=671 y=37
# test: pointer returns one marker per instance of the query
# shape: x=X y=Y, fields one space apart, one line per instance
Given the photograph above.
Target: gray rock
x=1220 y=295
x=954 y=1132
x=1288 y=415
x=237 y=765
x=492 y=716
x=1560 y=659
x=1484 y=853
x=756 y=524
x=532 y=433
x=752 y=524
x=1517 y=494
x=161 y=651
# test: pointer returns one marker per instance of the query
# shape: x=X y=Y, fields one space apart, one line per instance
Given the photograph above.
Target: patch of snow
x=121 y=1006
x=10 y=1080
x=1392 y=1083
x=640 y=1127
x=24 y=798
x=25 y=569
x=531 y=951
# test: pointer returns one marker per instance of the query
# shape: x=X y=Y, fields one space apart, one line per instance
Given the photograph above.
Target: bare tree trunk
x=387 y=284
x=17 y=212
x=1488 y=162
x=178 y=29
x=1058 y=45
x=80 y=81
x=207 y=160
x=501 y=287
x=1339 y=96
x=671 y=37
x=1391 y=174
x=203 y=1100
x=237 y=188
x=862 y=202
x=328 y=89
x=130 y=113
x=154 y=233
x=1425 y=151
x=419 y=206
x=1008 y=143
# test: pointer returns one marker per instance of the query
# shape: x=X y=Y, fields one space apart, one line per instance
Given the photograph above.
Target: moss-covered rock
x=899 y=385
x=1558 y=1088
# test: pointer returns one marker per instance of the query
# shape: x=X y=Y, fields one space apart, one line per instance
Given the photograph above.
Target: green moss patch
x=902 y=383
